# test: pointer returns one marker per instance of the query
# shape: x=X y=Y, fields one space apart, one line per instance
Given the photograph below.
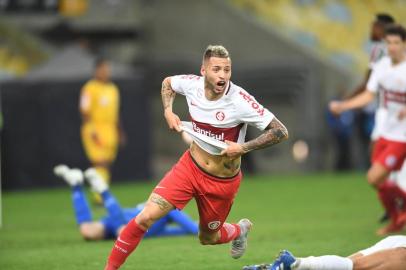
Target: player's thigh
x=103 y=151
x=387 y=157
x=389 y=259
x=214 y=204
x=93 y=150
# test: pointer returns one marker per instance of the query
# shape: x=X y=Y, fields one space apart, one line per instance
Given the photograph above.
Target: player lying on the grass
x=108 y=227
x=387 y=254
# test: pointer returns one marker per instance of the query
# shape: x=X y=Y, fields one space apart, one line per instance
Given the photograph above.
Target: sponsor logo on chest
x=209 y=133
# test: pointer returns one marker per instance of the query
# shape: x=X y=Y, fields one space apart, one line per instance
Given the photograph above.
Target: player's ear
x=202 y=70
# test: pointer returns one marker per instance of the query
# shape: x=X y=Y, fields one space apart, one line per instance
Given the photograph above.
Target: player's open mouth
x=220 y=85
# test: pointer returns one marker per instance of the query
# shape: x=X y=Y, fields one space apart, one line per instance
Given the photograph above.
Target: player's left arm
x=274 y=133
x=85 y=103
x=122 y=135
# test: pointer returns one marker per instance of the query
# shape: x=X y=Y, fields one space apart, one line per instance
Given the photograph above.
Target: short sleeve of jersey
x=252 y=112
x=86 y=97
x=182 y=83
x=373 y=82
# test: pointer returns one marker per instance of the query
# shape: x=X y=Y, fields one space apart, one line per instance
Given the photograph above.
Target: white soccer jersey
x=225 y=118
x=380 y=117
x=390 y=81
x=394 y=241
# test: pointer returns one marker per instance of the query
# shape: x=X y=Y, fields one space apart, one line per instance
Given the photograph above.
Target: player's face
x=377 y=31
x=396 y=47
x=103 y=72
x=217 y=74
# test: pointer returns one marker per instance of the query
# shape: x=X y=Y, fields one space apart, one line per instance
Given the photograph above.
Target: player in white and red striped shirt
x=219 y=110
x=389 y=79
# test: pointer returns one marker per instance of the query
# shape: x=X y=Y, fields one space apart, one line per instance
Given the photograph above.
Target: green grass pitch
x=308 y=214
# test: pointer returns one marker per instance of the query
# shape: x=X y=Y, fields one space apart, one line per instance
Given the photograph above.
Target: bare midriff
x=220 y=166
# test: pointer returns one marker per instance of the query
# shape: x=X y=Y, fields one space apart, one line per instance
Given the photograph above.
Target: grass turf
x=308 y=214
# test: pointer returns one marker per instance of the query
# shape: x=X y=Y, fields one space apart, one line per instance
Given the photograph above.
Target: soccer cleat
x=96 y=182
x=239 y=245
x=61 y=170
x=263 y=266
x=384 y=218
x=285 y=261
x=74 y=177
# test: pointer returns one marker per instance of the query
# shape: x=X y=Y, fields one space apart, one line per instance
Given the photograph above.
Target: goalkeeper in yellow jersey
x=101 y=130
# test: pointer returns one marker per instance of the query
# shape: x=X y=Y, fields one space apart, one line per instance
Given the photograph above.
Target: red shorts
x=389 y=154
x=214 y=195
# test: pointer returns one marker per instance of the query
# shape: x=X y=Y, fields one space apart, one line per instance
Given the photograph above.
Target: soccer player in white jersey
x=389 y=79
x=382 y=21
x=387 y=254
x=377 y=36
x=220 y=110
x=378 y=50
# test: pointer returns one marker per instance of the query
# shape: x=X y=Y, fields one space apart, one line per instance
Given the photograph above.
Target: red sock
x=388 y=199
x=126 y=242
x=228 y=232
x=398 y=192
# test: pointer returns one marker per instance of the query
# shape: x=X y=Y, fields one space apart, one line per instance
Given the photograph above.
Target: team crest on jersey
x=390 y=161
x=220 y=116
x=213 y=225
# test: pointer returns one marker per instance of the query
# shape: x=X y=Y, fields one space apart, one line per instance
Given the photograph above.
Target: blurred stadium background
x=293 y=55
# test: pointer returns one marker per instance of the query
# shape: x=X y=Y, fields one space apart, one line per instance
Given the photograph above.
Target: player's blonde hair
x=215 y=51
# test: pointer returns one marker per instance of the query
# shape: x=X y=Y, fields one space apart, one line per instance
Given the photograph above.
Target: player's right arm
x=365 y=97
x=85 y=108
x=359 y=101
x=168 y=96
x=85 y=103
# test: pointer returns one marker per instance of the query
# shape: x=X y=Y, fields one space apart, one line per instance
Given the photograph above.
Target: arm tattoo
x=275 y=133
x=167 y=93
x=161 y=202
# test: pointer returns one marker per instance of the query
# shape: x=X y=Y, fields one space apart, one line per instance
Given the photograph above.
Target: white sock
x=328 y=262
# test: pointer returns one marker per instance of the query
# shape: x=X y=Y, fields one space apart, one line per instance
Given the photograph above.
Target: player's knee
x=207 y=239
x=145 y=220
x=89 y=233
x=372 y=179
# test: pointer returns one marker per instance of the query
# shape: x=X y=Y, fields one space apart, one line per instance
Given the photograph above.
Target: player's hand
x=96 y=139
x=234 y=150
x=402 y=114
x=122 y=136
x=173 y=121
x=336 y=107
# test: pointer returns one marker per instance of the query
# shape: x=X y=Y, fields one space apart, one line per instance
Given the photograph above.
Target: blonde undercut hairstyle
x=215 y=51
